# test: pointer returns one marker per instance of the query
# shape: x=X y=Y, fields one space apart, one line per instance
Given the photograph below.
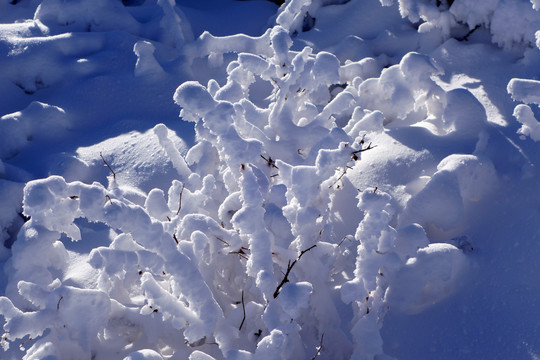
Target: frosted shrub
x=240 y=257
x=527 y=91
x=510 y=23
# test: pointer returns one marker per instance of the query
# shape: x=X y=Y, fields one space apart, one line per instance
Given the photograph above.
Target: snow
x=31 y=122
x=530 y=126
x=227 y=179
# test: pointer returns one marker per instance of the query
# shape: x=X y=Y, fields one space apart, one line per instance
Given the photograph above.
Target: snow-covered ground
x=222 y=179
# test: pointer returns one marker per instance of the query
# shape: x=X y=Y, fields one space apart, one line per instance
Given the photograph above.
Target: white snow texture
x=345 y=164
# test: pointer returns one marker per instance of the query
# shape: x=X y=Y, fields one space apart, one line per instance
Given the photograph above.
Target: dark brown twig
x=106 y=163
x=223 y=241
x=285 y=278
x=319 y=348
x=305 y=251
x=244 y=310
x=270 y=162
x=342 y=240
x=21 y=346
x=343 y=173
x=240 y=252
x=466 y=37
x=289 y=268
x=363 y=139
x=175 y=238
x=369 y=147
x=58 y=304
x=108 y=198
x=180 y=201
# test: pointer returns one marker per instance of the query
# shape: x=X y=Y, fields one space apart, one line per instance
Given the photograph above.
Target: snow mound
x=138 y=160
x=429 y=277
x=443 y=203
x=31 y=124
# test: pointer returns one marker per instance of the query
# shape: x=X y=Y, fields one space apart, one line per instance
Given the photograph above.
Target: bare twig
x=319 y=348
x=240 y=252
x=175 y=238
x=106 y=163
x=223 y=241
x=305 y=251
x=369 y=147
x=21 y=346
x=58 y=304
x=244 y=310
x=343 y=173
x=108 y=198
x=338 y=179
x=270 y=162
x=354 y=154
x=180 y=201
x=289 y=268
x=466 y=37
x=285 y=278
x=342 y=240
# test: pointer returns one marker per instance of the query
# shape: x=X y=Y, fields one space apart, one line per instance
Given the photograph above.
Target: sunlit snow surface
x=232 y=179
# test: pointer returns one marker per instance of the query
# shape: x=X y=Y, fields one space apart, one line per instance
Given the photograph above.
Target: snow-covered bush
x=510 y=23
x=528 y=92
x=161 y=21
x=221 y=264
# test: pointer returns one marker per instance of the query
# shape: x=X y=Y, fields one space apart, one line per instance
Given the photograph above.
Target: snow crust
x=336 y=181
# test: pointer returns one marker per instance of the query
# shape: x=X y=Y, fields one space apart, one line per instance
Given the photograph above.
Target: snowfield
x=224 y=179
